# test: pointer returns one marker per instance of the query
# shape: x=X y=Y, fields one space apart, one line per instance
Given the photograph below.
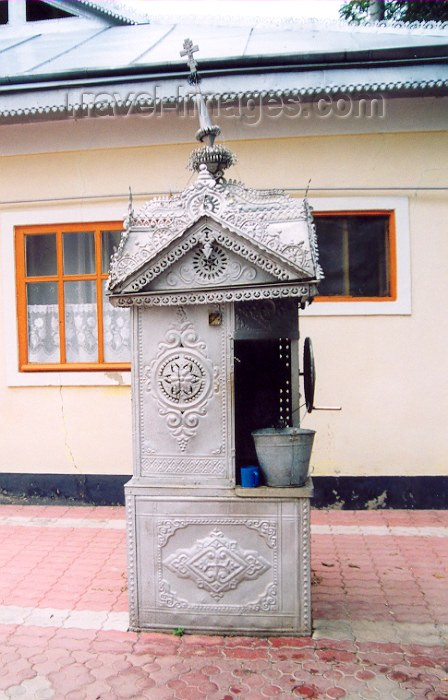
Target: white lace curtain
x=81 y=333
x=80 y=308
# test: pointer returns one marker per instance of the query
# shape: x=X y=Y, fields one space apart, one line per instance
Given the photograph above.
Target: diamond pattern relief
x=217 y=564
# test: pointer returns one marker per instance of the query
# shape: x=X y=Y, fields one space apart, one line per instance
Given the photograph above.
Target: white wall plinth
x=211 y=561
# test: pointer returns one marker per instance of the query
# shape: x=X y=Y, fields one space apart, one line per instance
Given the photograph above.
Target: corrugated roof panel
x=92 y=47
x=214 y=42
x=265 y=41
x=117 y=47
x=43 y=49
x=11 y=42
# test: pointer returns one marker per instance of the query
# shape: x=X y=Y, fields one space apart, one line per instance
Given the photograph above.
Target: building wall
x=386 y=369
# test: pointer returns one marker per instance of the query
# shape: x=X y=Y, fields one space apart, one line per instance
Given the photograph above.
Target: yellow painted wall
x=73 y=430
x=377 y=160
x=388 y=372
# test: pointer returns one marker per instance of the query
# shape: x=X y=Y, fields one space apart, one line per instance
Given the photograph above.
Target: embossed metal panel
x=227 y=564
x=210 y=263
x=275 y=231
x=183 y=415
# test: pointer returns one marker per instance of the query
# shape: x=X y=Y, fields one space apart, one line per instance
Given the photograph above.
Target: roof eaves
x=108 y=109
x=75 y=110
x=113 y=10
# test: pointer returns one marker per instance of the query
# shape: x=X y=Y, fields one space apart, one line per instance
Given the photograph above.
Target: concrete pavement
x=380 y=605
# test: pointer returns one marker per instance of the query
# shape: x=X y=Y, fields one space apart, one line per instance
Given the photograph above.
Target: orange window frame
x=59 y=278
x=391 y=253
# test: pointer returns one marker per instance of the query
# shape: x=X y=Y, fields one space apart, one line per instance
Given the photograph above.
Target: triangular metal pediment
x=209 y=265
x=208 y=255
x=275 y=227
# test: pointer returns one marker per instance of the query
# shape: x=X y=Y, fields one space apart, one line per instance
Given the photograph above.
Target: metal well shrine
x=214 y=277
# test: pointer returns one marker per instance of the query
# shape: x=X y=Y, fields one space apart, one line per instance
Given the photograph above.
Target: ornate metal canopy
x=217 y=240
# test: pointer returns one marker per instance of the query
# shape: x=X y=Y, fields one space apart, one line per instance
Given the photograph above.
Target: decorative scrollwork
x=217 y=564
x=234 y=271
x=167 y=528
x=267 y=530
x=268 y=600
x=205 y=267
x=269 y=221
x=304 y=293
x=182 y=380
x=169 y=598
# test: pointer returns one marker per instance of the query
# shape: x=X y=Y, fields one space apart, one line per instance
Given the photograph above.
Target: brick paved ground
x=380 y=600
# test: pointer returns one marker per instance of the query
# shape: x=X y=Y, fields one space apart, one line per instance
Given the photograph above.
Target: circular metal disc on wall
x=309 y=374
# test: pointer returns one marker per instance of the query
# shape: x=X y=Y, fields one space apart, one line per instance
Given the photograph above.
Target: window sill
x=400 y=307
x=76 y=367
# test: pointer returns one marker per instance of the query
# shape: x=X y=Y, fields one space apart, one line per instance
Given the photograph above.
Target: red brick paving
x=358 y=578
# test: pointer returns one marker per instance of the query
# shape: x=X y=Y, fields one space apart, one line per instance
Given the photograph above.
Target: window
x=65 y=321
x=357 y=255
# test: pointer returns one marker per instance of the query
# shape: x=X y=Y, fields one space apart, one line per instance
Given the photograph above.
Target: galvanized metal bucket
x=284 y=455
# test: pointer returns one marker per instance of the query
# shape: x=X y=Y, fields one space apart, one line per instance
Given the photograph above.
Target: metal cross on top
x=189 y=50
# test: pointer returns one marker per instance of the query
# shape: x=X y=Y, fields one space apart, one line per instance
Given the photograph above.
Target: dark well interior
x=262 y=392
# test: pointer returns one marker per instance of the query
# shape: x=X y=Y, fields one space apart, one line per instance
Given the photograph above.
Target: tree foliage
x=356 y=11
